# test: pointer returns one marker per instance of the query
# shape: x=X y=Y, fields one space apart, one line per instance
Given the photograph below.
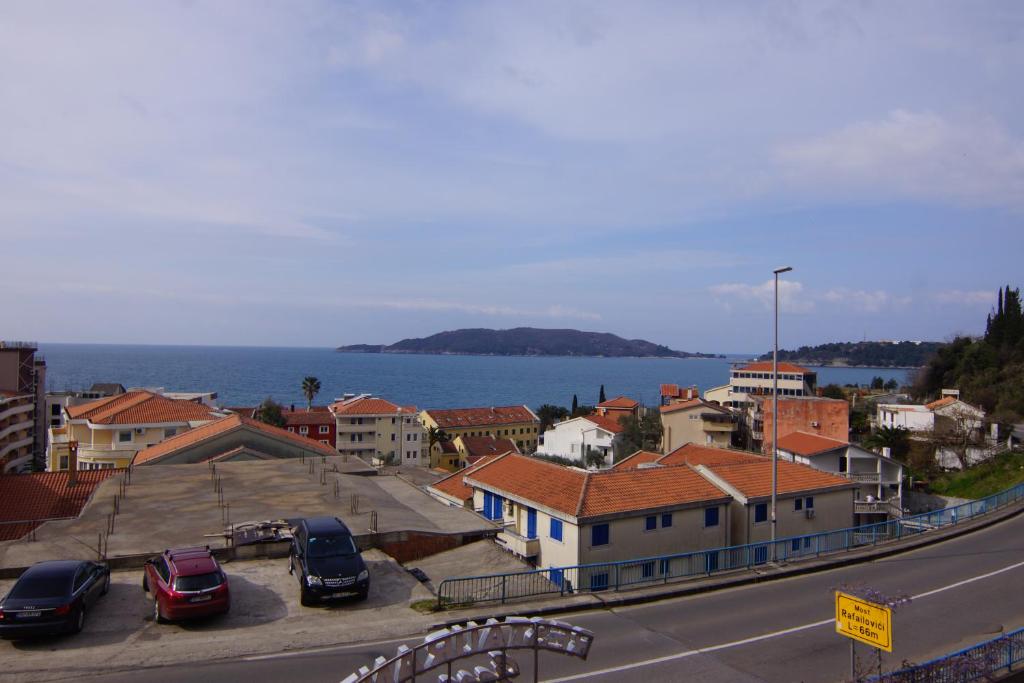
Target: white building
x=915 y=418
x=378 y=431
x=571 y=439
x=757 y=379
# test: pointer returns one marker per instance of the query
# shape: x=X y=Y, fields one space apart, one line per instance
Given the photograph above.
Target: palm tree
x=896 y=439
x=310 y=387
x=436 y=435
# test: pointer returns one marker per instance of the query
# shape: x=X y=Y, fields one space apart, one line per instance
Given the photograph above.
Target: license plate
x=201 y=598
x=337 y=595
x=29 y=615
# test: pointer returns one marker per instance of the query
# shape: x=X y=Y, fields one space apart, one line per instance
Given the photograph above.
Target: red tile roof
x=223 y=426
x=941 y=403
x=676 y=391
x=477 y=446
x=631 y=462
x=609 y=424
x=44 y=495
x=804 y=443
x=319 y=415
x=140 y=407
x=754 y=479
x=593 y=494
x=766 y=366
x=480 y=417
x=692 y=403
x=695 y=454
x=369 y=406
x=619 y=402
x=454 y=485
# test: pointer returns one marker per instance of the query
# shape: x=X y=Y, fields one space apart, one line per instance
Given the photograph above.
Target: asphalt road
x=965 y=590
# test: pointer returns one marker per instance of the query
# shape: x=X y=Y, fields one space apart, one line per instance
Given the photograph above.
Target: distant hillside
x=873 y=354
x=527 y=341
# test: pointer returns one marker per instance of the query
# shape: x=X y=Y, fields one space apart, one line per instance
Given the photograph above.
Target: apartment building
x=107 y=433
x=57 y=401
x=757 y=379
x=22 y=406
x=573 y=438
x=473 y=448
x=317 y=423
x=827 y=417
x=377 y=430
x=618 y=408
x=696 y=421
x=517 y=423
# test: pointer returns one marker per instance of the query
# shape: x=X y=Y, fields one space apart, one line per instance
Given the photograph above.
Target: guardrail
x=648 y=571
x=978 y=662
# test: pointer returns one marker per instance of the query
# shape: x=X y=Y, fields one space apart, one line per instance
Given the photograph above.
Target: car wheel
x=158 y=616
x=106 y=585
x=78 y=620
x=305 y=599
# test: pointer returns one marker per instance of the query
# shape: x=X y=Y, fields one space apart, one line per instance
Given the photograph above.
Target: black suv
x=325 y=558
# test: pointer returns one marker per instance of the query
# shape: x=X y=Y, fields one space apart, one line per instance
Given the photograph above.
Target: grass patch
x=984 y=479
x=426 y=606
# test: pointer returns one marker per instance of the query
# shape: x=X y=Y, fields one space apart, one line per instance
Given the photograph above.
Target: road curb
x=608 y=601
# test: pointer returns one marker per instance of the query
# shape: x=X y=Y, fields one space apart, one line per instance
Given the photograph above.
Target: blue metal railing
x=970 y=664
x=649 y=571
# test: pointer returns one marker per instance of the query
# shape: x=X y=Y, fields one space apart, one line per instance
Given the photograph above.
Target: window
x=807 y=541
x=798 y=504
x=325 y=442
x=394 y=437
x=291 y=429
x=809 y=503
x=650 y=523
x=796 y=544
x=556 y=529
x=170 y=431
x=124 y=436
x=325 y=429
x=842 y=464
x=599 y=582
x=710 y=517
x=666 y=520
x=647 y=570
x=663 y=566
x=711 y=562
x=63 y=462
x=760 y=513
x=303 y=429
x=599 y=535
x=392 y=420
x=55 y=410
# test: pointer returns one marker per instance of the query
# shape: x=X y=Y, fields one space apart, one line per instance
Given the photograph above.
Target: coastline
x=526 y=355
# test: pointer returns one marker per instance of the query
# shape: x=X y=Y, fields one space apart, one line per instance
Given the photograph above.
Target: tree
x=640 y=433
x=601 y=398
x=549 y=415
x=575 y=404
x=877 y=383
x=892 y=385
x=269 y=412
x=959 y=430
x=896 y=439
x=594 y=458
x=310 y=388
x=833 y=391
x=436 y=435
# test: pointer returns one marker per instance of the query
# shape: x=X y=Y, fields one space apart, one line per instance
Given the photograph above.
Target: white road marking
x=764 y=636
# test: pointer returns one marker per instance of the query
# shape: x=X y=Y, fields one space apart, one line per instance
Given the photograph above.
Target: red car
x=186 y=583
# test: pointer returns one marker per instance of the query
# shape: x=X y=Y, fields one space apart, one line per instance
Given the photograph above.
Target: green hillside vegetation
x=866 y=353
x=988 y=371
x=984 y=479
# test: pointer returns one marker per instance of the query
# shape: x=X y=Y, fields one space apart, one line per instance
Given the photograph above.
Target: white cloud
x=978 y=297
x=792 y=298
x=412 y=304
x=865 y=301
x=920 y=155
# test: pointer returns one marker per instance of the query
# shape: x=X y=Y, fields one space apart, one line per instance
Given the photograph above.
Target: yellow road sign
x=864 y=621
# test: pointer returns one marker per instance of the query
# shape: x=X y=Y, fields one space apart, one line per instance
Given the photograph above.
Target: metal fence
x=649 y=571
x=974 y=663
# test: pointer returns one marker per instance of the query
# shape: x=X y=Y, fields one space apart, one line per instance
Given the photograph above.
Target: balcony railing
x=892 y=507
x=13 y=446
x=520 y=545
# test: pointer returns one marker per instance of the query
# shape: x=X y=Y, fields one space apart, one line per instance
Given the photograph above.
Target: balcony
x=14 y=446
x=14 y=428
x=520 y=545
x=892 y=507
x=26 y=408
x=718 y=425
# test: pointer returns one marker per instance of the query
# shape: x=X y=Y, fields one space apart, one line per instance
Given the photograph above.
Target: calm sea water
x=247 y=375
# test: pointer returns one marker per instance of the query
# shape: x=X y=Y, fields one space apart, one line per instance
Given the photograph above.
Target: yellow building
x=517 y=423
x=110 y=431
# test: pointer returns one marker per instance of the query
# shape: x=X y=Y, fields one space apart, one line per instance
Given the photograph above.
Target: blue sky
x=320 y=173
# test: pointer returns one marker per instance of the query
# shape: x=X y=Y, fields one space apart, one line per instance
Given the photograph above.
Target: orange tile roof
x=630 y=462
x=140 y=407
x=593 y=494
x=805 y=443
x=477 y=446
x=695 y=454
x=553 y=486
x=454 y=485
x=670 y=390
x=754 y=479
x=619 y=402
x=941 y=403
x=370 y=406
x=478 y=417
x=222 y=426
x=319 y=415
x=766 y=366
x=692 y=403
x=609 y=424
x=44 y=495
x=614 y=492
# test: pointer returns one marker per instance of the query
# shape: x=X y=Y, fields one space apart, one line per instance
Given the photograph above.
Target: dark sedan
x=52 y=597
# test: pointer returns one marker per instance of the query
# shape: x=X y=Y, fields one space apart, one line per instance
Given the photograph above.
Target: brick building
x=827 y=417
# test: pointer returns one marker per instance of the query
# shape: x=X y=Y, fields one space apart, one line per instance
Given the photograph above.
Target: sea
x=245 y=375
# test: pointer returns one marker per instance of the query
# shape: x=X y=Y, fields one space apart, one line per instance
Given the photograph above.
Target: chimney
x=72 y=463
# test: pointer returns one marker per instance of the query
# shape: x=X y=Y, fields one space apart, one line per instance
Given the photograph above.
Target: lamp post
x=775 y=411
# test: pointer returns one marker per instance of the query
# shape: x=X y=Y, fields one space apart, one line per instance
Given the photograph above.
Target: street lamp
x=775 y=410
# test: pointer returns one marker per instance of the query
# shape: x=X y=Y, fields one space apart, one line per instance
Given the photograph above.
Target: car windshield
x=331 y=546
x=35 y=587
x=198 y=582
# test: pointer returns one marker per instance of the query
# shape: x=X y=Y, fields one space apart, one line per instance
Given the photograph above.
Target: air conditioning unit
x=140 y=430
x=809 y=513
x=815 y=424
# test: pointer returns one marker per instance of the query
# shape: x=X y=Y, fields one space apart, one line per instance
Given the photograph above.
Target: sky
x=322 y=173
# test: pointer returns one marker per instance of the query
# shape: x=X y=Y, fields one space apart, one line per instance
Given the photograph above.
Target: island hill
x=870 y=354
x=527 y=341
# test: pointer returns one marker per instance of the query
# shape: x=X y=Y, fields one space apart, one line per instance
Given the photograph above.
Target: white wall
x=567 y=439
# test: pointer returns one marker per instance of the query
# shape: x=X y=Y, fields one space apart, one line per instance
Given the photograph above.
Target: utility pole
x=775 y=412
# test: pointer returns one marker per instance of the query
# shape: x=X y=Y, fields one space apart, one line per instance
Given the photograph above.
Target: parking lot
x=265 y=617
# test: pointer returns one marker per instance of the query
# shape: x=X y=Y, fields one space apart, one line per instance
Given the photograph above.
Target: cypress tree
x=601 y=398
x=575 y=405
